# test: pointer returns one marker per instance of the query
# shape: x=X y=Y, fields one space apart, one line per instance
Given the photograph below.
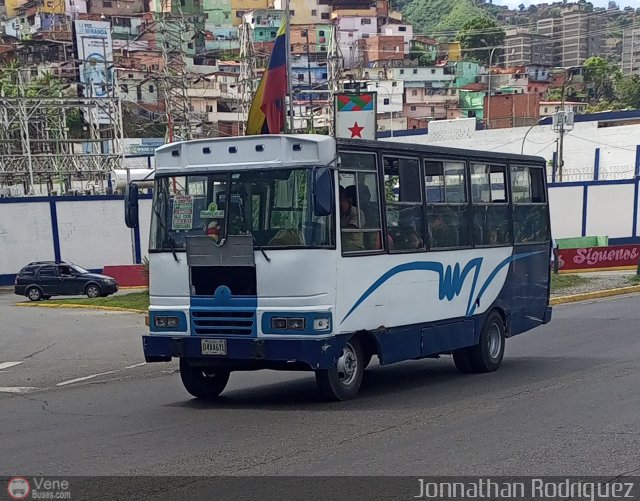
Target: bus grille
x=209 y=322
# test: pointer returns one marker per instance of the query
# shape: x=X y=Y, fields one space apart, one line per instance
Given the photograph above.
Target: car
x=43 y=279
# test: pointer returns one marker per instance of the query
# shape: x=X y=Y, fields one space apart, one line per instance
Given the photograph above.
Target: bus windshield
x=275 y=206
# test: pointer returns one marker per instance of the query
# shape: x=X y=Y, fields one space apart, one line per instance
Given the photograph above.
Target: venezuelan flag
x=267 y=112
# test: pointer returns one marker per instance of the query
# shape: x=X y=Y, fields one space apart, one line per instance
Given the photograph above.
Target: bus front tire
x=487 y=355
x=203 y=382
x=342 y=382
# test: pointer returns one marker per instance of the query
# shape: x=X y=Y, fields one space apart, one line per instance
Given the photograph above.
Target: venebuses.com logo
x=18 y=488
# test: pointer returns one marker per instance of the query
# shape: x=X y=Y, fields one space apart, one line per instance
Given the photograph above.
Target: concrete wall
x=617 y=145
x=88 y=231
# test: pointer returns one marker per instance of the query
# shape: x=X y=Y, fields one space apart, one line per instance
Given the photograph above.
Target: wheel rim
x=92 y=291
x=34 y=293
x=494 y=341
x=347 y=365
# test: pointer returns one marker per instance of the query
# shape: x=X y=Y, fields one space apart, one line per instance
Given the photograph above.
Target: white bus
x=302 y=252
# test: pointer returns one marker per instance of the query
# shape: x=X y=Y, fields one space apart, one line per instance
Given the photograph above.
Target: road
x=564 y=402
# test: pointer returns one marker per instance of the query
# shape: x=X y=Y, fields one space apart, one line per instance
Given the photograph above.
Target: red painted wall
x=127 y=275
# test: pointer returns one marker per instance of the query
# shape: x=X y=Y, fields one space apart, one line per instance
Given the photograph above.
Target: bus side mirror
x=131 y=206
x=323 y=196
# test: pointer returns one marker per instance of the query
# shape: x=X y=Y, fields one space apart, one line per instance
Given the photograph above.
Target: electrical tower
x=173 y=34
x=247 y=73
x=334 y=70
x=38 y=151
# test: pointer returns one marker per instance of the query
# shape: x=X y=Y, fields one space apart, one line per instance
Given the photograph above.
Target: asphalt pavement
x=564 y=402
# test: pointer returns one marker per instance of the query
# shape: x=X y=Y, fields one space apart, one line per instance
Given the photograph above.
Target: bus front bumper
x=248 y=353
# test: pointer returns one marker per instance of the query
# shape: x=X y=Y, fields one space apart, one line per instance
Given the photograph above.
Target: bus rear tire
x=202 y=382
x=487 y=355
x=342 y=382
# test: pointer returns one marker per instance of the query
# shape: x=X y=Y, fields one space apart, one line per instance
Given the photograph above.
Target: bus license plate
x=214 y=347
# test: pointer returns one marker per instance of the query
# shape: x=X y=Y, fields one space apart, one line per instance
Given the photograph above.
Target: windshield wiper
x=261 y=249
x=172 y=242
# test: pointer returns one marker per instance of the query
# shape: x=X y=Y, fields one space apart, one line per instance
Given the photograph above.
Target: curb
x=594 y=295
x=81 y=307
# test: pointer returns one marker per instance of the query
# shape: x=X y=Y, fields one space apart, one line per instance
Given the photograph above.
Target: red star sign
x=356 y=130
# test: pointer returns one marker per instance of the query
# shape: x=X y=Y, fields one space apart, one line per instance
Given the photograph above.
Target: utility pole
x=287 y=14
x=306 y=33
x=334 y=83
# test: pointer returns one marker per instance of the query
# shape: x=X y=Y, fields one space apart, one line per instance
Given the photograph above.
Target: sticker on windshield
x=182 y=217
x=212 y=212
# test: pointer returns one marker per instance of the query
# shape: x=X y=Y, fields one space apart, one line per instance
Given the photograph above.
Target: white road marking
x=16 y=389
x=6 y=365
x=85 y=378
x=136 y=365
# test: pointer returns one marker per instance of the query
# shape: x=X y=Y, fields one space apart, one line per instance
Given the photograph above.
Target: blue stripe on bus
x=451 y=279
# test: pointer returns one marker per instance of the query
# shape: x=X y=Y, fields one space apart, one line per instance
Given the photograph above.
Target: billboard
x=94 y=47
x=356 y=115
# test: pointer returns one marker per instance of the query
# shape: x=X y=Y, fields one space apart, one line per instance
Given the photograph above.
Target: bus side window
x=403 y=203
x=447 y=208
x=530 y=224
x=360 y=223
x=490 y=210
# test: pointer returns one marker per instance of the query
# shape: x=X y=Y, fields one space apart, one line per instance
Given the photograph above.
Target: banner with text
x=586 y=258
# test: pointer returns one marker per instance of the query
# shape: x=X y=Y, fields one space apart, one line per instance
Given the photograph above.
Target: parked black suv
x=44 y=279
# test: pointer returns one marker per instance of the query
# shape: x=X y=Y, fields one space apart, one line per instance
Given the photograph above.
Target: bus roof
x=436 y=151
x=290 y=150
x=245 y=152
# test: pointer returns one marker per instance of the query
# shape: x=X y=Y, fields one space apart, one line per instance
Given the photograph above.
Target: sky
x=596 y=3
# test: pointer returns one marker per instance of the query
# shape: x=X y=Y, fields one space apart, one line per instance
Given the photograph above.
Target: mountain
x=439 y=16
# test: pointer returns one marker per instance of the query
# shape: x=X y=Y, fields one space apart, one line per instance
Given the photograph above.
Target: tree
x=601 y=77
x=628 y=90
x=479 y=36
x=521 y=7
x=613 y=5
x=532 y=9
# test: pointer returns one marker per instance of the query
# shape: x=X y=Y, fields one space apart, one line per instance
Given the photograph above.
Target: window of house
x=124 y=88
x=415 y=71
x=365 y=20
x=433 y=72
x=106 y=4
x=491 y=224
x=530 y=222
x=402 y=28
x=413 y=108
x=402 y=72
x=324 y=15
x=414 y=92
x=360 y=220
x=190 y=45
x=314 y=12
x=209 y=108
x=403 y=196
x=385 y=100
x=324 y=75
x=151 y=89
x=292 y=13
x=447 y=207
x=321 y=33
x=300 y=77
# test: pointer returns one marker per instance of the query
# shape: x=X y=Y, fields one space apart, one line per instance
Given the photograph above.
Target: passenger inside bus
x=350 y=218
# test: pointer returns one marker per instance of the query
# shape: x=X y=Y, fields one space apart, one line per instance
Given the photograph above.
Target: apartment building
x=630 y=64
x=523 y=49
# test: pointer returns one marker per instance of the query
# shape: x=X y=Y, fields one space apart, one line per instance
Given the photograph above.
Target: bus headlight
x=322 y=324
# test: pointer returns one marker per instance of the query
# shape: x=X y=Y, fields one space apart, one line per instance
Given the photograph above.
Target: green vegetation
x=635 y=279
x=133 y=301
x=559 y=282
x=439 y=16
x=483 y=34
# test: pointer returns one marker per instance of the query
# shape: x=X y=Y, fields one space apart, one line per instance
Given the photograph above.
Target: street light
x=527 y=133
